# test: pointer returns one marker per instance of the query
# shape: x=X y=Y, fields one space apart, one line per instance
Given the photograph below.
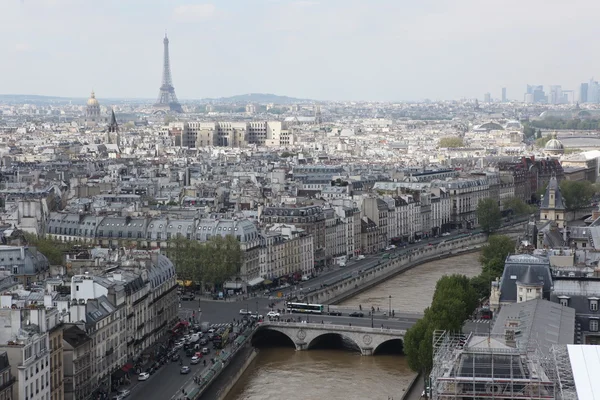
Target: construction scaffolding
x=487 y=367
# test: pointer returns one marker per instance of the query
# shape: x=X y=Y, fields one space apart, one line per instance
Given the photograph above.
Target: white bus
x=304 y=308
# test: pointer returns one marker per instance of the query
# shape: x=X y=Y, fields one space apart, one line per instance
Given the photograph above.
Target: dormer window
x=593 y=301
x=593 y=325
x=564 y=300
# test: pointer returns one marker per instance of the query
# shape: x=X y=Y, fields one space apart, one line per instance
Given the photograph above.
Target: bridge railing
x=339 y=327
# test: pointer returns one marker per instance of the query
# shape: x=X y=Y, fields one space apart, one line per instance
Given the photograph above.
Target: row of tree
x=455 y=299
x=451 y=142
x=490 y=216
x=558 y=123
x=212 y=262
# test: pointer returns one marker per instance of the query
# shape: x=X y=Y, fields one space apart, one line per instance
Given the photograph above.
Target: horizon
x=325 y=51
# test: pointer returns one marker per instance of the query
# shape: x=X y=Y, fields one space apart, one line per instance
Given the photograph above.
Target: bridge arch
x=390 y=346
x=272 y=336
x=324 y=336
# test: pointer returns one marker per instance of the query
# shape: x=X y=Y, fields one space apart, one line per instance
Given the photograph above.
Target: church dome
x=92 y=100
x=554 y=146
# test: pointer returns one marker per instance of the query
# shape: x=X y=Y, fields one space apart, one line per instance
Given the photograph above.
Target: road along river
x=283 y=373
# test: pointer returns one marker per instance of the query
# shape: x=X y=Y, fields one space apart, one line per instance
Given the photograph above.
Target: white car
x=245 y=312
x=195 y=360
x=273 y=314
x=446 y=234
x=361 y=257
x=143 y=376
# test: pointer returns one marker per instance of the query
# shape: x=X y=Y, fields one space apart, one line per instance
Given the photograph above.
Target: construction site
x=494 y=367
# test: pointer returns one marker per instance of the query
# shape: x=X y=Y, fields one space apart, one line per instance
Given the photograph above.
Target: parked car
x=446 y=234
x=360 y=257
x=143 y=376
x=176 y=357
x=273 y=314
x=117 y=397
x=124 y=392
x=184 y=370
x=336 y=313
x=205 y=350
x=204 y=341
x=357 y=314
x=195 y=360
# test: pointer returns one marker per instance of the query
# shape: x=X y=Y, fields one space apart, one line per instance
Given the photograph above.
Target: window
x=593 y=305
x=564 y=301
x=593 y=325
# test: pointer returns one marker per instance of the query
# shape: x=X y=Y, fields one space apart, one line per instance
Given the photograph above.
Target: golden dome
x=92 y=100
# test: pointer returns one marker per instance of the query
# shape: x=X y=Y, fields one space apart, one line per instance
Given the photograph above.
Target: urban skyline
x=326 y=52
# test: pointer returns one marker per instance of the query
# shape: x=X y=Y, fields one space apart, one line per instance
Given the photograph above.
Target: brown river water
x=283 y=373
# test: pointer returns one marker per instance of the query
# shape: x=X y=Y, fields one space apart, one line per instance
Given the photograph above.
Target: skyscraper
x=537 y=94
x=504 y=95
x=583 y=93
x=487 y=98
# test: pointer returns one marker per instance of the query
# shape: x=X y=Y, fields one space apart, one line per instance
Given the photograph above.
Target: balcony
x=140 y=326
x=110 y=351
x=130 y=315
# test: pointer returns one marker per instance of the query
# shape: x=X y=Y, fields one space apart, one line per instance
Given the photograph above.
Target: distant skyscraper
x=487 y=98
x=593 y=92
x=504 y=95
x=537 y=94
x=583 y=93
x=167 y=101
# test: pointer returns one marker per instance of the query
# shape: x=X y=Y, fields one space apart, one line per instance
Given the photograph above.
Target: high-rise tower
x=167 y=100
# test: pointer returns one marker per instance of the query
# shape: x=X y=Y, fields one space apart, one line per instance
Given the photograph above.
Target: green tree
x=541 y=142
x=518 y=206
x=481 y=284
x=494 y=254
x=456 y=298
x=489 y=215
x=576 y=194
x=539 y=134
x=418 y=346
x=54 y=250
x=451 y=142
x=528 y=132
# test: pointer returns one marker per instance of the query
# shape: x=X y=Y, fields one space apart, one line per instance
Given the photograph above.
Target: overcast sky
x=382 y=50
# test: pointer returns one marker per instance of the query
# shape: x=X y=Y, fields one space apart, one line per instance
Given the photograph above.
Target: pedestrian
x=360 y=307
x=377 y=309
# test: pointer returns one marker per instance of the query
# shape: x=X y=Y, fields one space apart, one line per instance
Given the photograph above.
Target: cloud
x=22 y=47
x=193 y=12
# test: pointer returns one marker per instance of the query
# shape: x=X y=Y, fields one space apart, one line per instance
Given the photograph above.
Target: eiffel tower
x=167 y=100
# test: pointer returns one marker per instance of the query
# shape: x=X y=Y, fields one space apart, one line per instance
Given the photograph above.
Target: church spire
x=113 y=127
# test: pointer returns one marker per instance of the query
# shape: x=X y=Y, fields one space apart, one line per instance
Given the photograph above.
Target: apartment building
x=151 y=233
x=286 y=251
x=369 y=237
x=309 y=218
x=7 y=380
x=78 y=363
x=440 y=210
x=24 y=338
x=376 y=210
x=55 y=338
x=465 y=195
x=197 y=134
x=335 y=235
x=26 y=264
x=350 y=217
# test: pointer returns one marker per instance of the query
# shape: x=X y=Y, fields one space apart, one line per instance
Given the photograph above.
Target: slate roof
x=540 y=321
x=524 y=266
x=75 y=336
x=558 y=202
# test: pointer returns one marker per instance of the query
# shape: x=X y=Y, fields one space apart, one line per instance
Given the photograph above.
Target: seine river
x=283 y=373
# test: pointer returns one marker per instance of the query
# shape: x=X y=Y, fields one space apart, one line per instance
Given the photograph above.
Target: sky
x=373 y=50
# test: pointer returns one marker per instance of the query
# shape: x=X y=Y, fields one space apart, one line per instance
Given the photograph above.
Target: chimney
x=509 y=337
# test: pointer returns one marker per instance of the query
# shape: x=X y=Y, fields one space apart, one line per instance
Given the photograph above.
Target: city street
x=167 y=382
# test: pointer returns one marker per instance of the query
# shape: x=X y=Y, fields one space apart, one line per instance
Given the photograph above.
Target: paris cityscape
x=330 y=219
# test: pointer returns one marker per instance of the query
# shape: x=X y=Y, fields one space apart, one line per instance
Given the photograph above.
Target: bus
x=304 y=308
x=221 y=339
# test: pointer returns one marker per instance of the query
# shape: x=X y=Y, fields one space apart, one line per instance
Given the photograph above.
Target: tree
x=518 y=206
x=541 y=142
x=489 y=215
x=451 y=142
x=215 y=261
x=481 y=284
x=539 y=134
x=576 y=194
x=54 y=250
x=418 y=346
x=494 y=254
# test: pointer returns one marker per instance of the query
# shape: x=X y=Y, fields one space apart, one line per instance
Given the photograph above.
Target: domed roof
x=92 y=100
x=554 y=144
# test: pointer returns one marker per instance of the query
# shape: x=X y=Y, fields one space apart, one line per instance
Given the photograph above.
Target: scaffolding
x=487 y=367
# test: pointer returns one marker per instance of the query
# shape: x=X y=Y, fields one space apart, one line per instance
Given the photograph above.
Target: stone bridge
x=304 y=334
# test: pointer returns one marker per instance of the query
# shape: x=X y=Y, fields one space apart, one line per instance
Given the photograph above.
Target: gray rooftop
x=541 y=322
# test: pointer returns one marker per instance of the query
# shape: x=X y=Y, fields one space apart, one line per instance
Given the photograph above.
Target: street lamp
x=390 y=309
x=257 y=307
x=372 y=315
